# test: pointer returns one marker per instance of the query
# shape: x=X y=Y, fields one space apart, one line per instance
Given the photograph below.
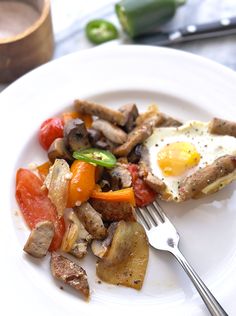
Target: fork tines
x=151 y=215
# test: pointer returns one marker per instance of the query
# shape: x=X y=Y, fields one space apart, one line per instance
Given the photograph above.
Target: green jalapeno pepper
x=97 y=156
x=101 y=31
x=138 y=16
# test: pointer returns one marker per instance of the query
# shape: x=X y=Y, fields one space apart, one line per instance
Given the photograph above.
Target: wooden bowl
x=30 y=48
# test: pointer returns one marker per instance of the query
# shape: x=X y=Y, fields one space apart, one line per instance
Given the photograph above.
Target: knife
x=224 y=26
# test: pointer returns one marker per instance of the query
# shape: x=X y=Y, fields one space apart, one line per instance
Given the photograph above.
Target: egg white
x=209 y=146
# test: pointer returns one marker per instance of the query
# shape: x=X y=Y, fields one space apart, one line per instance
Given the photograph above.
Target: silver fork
x=162 y=235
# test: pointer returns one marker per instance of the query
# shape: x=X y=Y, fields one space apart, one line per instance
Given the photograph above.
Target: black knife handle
x=222 y=27
x=225 y=24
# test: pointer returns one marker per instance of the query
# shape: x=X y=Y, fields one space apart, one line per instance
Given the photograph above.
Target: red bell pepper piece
x=36 y=206
x=144 y=195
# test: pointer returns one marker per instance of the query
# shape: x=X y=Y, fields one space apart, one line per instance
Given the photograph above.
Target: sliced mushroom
x=94 y=136
x=102 y=145
x=70 y=273
x=120 y=177
x=114 y=211
x=91 y=220
x=40 y=239
x=101 y=111
x=105 y=144
x=135 y=154
x=79 y=247
x=83 y=233
x=130 y=112
x=97 y=139
x=76 y=135
x=100 y=247
x=110 y=131
x=58 y=150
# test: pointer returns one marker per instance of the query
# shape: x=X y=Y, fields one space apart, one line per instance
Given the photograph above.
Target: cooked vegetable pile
x=100 y=166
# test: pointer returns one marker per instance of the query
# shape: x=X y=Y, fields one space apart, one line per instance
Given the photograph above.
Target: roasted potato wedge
x=126 y=261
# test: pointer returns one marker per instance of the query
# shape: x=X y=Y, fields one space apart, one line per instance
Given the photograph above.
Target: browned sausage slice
x=92 y=220
x=70 y=273
x=114 y=211
x=137 y=136
x=154 y=183
x=101 y=111
x=192 y=186
x=222 y=127
x=40 y=239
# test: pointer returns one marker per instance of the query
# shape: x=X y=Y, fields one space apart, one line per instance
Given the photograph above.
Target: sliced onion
x=57 y=182
x=83 y=234
x=70 y=237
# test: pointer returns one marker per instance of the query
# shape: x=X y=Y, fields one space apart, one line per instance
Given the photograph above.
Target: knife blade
x=223 y=27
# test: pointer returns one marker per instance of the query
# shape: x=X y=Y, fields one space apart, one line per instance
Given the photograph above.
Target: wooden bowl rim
x=32 y=28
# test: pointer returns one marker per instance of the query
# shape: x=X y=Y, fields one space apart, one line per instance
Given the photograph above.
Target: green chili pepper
x=97 y=156
x=101 y=31
x=138 y=16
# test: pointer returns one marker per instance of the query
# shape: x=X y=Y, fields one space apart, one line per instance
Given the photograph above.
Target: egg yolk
x=176 y=158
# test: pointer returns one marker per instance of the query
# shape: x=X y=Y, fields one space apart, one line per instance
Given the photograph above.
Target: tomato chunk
x=36 y=206
x=50 y=129
x=144 y=195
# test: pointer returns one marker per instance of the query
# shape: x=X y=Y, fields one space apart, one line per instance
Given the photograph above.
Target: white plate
x=185 y=86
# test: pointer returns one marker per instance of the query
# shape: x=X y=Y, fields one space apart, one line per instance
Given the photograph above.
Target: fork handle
x=212 y=304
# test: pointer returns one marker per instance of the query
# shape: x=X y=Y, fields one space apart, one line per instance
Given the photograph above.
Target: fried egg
x=175 y=153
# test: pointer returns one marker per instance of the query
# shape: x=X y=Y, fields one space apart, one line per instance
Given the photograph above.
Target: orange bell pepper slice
x=82 y=182
x=44 y=169
x=123 y=195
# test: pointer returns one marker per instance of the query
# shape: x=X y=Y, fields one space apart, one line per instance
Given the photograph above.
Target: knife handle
x=196 y=31
x=223 y=25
